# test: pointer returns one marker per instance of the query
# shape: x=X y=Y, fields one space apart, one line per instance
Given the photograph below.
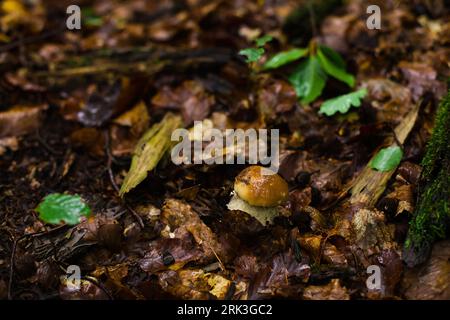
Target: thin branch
x=312 y=18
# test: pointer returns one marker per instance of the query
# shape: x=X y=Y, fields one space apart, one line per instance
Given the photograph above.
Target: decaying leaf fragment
x=15 y=14
x=21 y=120
x=264 y=215
x=185 y=238
x=319 y=248
x=194 y=284
x=332 y=291
x=137 y=118
x=371 y=230
x=56 y=208
x=149 y=150
x=387 y=159
x=8 y=143
x=430 y=281
x=86 y=291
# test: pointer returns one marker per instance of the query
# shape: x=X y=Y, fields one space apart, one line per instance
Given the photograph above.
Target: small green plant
x=90 y=18
x=311 y=75
x=62 y=208
x=254 y=54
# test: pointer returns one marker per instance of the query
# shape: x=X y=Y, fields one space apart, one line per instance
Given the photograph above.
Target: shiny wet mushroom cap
x=261 y=187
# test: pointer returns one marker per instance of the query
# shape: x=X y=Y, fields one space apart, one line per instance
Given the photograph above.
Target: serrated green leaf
x=333 y=65
x=62 y=208
x=149 y=150
x=252 y=54
x=285 y=57
x=343 y=103
x=260 y=42
x=308 y=80
x=387 y=159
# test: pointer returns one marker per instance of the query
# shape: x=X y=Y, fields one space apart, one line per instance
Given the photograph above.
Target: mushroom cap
x=261 y=187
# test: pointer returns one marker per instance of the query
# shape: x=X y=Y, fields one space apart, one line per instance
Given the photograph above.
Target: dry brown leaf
x=332 y=291
x=20 y=120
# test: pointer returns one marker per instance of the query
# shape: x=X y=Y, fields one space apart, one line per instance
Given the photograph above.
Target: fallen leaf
x=387 y=159
x=431 y=280
x=86 y=291
x=57 y=208
x=331 y=291
x=149 y=150
x=110 y=100
x=21 y=120
x=371 y=233
x=185 y=238
x=421 y=78
x=10 y=143
x=194 y=284
x=136 y=118
x=190 y=98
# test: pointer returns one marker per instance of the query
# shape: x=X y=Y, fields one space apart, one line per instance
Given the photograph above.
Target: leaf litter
x=97 y=125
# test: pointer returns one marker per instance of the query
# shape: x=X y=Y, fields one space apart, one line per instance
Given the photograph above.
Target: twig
x=217 y=257
x=11 y=265
x=104 y=67
x=97 y=283
x=46 y=145
x=394 y=135
x=24 y=41
x=13 y=253
x=134 y=213
x=312 y=18
x=109 y=161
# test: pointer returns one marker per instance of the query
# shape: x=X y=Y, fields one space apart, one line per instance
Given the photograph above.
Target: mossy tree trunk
x=432 y=212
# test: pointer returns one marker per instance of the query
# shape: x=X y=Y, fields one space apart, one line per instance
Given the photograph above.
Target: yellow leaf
x=149 y=150
x=13 y=6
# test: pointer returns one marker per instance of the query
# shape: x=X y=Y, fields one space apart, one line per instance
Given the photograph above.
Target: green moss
x=432 y=211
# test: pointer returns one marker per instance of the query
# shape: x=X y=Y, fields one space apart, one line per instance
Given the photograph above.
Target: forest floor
x=74 y=103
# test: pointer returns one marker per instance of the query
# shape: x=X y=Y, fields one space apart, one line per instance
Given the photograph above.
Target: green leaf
x=90 y=18
x=333 y=56
x=260 y=42
x=333 y=64
x=57 y=208
x=308 y=80
x=285 y=57
x=252 y=54
x=149 y=150
x=387 y=159
x=343 y=103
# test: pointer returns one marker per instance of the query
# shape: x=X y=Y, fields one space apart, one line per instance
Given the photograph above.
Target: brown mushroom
x=261 y=187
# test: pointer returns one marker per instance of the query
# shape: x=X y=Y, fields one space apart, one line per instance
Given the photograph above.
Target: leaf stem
x=312 y=18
